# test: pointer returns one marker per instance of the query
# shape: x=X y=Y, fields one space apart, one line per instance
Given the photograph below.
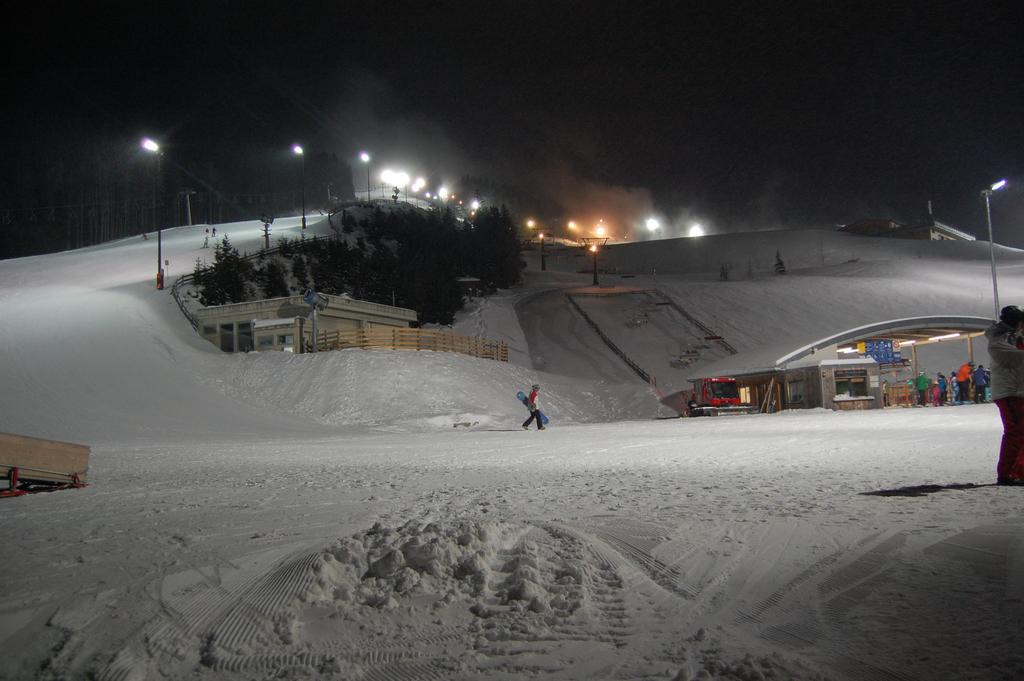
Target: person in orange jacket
x=963 y=379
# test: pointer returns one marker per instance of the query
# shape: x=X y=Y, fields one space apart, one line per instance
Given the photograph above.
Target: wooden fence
x=402 y=338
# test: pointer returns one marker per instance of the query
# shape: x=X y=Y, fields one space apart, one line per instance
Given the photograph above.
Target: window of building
x=853 y=383
x=227 y=337
x=286 y=340
x=245 y=336
x=265 y=342
x=795 y=391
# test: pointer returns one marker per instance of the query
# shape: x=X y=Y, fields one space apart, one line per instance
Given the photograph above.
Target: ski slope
x=365 y=514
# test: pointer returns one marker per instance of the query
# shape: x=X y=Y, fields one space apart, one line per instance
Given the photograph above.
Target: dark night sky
x=744 y=115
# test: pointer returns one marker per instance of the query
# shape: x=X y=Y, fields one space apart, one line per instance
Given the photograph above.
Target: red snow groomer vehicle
x=709 y=397
x=716 y=396
x=29 y=464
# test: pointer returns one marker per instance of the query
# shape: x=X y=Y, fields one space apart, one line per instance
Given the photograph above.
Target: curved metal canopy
x=918 y=329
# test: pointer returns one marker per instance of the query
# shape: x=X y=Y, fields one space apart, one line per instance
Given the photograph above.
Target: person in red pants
x=1006 y=350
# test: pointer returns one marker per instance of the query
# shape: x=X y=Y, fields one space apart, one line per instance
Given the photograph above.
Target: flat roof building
x=287 y=323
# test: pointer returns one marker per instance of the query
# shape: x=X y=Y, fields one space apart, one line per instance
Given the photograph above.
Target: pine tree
x=226 y=281
x=780 y=267
x=300 y=272
x=271 y=280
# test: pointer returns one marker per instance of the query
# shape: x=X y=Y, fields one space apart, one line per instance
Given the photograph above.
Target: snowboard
x=521 y=396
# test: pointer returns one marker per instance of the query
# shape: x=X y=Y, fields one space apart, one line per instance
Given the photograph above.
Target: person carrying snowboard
x=531 y=404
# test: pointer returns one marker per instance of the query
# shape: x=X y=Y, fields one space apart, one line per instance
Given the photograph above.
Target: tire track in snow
x=801 y=631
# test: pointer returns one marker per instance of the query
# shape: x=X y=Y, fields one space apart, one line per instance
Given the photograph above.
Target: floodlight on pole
x=154 y=148
x=365 y=158
x=652 y=225
x=991 y=247
x=298 y=151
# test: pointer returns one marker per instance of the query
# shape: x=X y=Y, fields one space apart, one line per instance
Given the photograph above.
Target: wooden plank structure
x=30 y=464
x=402 y=338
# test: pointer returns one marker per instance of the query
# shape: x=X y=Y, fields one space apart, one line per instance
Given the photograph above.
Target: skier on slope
x=531 y=404
x=1006 y=350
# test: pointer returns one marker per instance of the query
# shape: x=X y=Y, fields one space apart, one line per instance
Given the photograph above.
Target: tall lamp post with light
x=298 y=151
x=593 y=244
x=154 y=148
x=365 y=158
x=543 y=255
x=991 y=248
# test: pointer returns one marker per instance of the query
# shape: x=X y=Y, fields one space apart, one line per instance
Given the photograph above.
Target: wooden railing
x=402 y=338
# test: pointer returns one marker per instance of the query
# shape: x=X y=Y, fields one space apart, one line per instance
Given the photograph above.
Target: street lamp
x=365 y=158
x=591 y=244
x=991 y=248
x=298 y=152
x=543 y=256
x=154 y=148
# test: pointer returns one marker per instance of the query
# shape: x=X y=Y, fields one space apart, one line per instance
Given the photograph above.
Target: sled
x=29 y=464
x=521 y=396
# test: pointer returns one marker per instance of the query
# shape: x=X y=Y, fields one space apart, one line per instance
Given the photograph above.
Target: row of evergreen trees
x=409 y=258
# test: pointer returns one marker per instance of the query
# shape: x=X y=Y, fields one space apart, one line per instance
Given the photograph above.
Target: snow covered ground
x=381 y=515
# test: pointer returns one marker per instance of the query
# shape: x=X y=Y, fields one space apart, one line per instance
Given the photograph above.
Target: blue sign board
x=882 y=351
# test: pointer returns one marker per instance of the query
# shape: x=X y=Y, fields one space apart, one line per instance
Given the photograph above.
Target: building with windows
x=287 y=323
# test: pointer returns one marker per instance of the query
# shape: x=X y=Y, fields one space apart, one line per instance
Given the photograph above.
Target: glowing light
x=475 y=205
x=599 y=230
x=531 y=224
x=364 y=157
x=443 y=193
x=696 y=229
x=593 y=248
x=572 y=225
x=419 y=184
x=945 y=337
x=652 y=225
x=150 y=145
x=998 y=185
x=847 y=351
x=297 y=150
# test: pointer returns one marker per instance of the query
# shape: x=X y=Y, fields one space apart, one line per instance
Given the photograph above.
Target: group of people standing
x=966 y=384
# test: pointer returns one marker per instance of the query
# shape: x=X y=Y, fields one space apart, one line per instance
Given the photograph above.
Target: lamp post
x=365 y=158
x=299 y=152
x=154 y=148
x=991 y=248
x=592 y=244
x=543 y=256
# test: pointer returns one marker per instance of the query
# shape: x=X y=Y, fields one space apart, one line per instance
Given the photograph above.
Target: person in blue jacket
x=980 y=384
